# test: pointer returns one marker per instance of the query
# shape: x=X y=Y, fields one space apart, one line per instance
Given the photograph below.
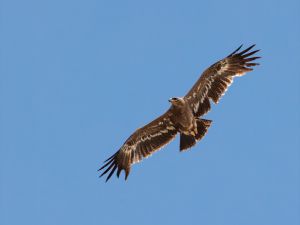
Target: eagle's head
x=177 y=101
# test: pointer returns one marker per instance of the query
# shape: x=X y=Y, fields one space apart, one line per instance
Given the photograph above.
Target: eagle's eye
x=174 y=99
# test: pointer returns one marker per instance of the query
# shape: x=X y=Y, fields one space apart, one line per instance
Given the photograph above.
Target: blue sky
x=78 y=77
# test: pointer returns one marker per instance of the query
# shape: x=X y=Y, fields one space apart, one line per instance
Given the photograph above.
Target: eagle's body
x=183 y=116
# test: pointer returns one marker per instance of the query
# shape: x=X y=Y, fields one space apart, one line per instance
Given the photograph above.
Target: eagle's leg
x=188 y=140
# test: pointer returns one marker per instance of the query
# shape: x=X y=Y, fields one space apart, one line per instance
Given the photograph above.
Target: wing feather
x=214 y=81
x=141 y=144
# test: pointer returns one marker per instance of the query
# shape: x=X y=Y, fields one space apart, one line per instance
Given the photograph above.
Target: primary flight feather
x=183 y=116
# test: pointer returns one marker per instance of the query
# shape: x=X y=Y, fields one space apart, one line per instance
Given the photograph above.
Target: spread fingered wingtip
x=242 y=53
x=110 y=165
x=108 y=168
x=106 y=163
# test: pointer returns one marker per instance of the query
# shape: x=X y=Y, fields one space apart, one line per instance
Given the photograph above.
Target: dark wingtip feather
x=246 y=50
x=235 y=51
x=111 y=173
x=252 y=64
x=106 y=164
x=108 y=168
x=249 y=54
x=111 y=157
x=251 y=59
x=127 y=173
x=119 y=172
x=110 y=165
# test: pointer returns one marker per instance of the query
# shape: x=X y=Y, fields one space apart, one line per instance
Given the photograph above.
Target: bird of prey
x=183 y=116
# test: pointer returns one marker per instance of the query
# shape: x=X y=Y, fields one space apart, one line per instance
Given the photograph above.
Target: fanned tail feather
x=188 y=141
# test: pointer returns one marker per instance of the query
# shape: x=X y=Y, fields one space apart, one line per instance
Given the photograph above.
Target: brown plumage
x=183 y=115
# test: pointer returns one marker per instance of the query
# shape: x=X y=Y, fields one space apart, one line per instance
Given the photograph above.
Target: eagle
x=184 y=115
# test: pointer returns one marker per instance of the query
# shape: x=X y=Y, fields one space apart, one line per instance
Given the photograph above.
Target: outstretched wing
x=141 y=144
x=215 y=80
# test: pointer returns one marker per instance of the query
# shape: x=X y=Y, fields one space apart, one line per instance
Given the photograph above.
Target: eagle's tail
x=188 y=141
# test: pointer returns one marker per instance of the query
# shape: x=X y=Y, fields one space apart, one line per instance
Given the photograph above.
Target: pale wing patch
x=138 y=159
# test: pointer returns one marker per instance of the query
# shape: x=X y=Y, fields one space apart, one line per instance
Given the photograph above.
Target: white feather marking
x=239 y=74
x=224 y=66
x=170 y=128
x=155 y=150
x=136 y=158
x=196 y=106
x=149 y=137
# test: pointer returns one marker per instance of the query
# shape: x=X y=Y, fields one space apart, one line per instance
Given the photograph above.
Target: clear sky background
x=78 y=77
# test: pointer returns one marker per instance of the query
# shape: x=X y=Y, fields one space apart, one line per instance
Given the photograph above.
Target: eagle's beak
x=170 y=100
